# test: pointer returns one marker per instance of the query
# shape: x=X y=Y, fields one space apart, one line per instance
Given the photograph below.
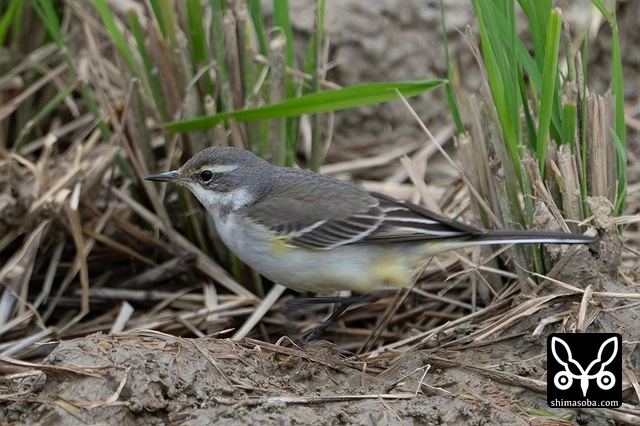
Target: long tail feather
x=532 y=237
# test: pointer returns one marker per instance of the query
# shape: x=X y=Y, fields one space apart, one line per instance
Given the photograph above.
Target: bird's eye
x=206 y=175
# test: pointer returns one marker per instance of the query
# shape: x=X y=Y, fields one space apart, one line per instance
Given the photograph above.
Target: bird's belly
x=357 y=267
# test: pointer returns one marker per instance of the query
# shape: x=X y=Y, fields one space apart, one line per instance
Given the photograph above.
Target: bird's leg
x=345 y=302
x=322 y=327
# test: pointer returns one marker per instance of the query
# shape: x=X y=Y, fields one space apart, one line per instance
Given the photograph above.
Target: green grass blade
x=165 y=13
x=537 y=12
x=348 y=97
x=452 y=101
x=9 y=17
x=157 y=12
x=549 y=73
x=603 y=9
x=532 y=134
x=617 y=87
x=217 y=10
x=621 y=160
x=197 y=39
x=495 y=36
x=569 y=124
x=312 y=67
x=198 y=42
x=49 y=17
x=255 y=9
x=281 y=16
x=44 y=112
x=152 y=77
x=117 y=36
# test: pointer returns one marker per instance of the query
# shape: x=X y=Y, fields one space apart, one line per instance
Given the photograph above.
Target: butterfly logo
x=564 y=379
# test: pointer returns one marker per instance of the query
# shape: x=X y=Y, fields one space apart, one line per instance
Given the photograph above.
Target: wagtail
x=311 y=232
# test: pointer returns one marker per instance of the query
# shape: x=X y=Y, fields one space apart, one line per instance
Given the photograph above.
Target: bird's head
x=223 y=179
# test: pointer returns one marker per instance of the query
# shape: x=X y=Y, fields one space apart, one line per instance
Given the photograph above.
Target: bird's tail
x=531 y=237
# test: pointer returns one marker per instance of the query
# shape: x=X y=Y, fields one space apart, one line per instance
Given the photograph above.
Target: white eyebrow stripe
x=221 y=168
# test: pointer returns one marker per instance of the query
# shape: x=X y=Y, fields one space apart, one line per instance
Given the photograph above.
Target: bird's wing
x=324 y=217
x=405 y=221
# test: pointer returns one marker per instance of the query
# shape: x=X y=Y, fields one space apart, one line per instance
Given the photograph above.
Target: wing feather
x=336 y=214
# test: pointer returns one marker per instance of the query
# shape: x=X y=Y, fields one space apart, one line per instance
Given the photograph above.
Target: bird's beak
x=172 y=176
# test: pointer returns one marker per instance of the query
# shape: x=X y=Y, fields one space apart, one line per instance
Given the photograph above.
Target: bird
x=313 y=233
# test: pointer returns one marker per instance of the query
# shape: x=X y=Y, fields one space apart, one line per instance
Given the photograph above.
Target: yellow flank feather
x=392 y=272
x=280 y=246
